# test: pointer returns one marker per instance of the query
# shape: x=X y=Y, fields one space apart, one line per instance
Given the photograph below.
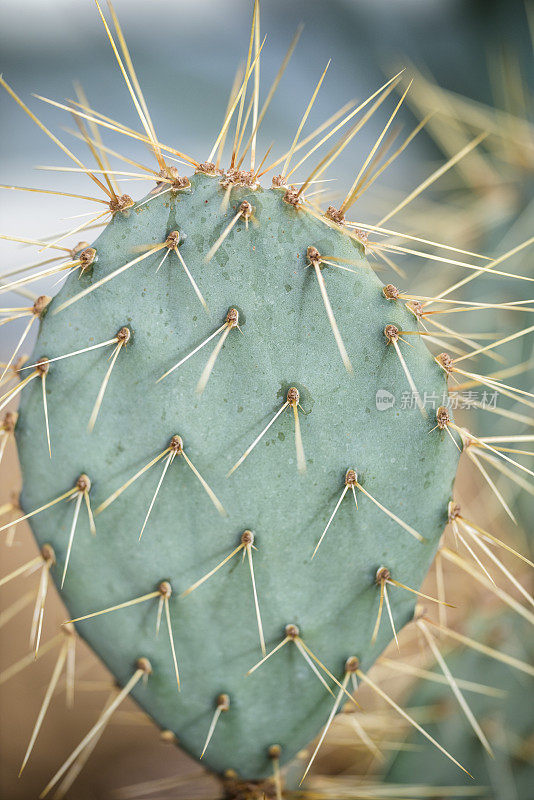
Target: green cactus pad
x=285 y=341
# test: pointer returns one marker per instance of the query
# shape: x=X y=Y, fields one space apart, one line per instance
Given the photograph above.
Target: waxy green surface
x=287 y=341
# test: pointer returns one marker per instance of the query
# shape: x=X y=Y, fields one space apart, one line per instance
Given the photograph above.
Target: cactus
x=213 y=442
x=503 y=714
x=286 y=343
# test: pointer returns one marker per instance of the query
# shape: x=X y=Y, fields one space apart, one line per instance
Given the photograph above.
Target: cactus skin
x=287 y=341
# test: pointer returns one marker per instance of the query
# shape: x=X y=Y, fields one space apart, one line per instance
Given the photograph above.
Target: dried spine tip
x=352 y=664
x=293 y=396
x=122 y=203
x=246 y=209
x=40 y=304
x=144 y=665
x=247 y=537
x=124 y=335
x=335 y=215
x=232 y=317
x=351 y=477
x=86 y=257
x=42 y=365
x=292 y=196
x=453 y=511
x=83 y=484
x=391 y=332
x=223 y=702
x=48 y=554
x=165 y=589
x=442 y=417
x=176 y=444
x=274 y=751
x=9 y=421
x=445 y=361
x=172 y=240
x=382 y=574
x=208 y=168
x=314 y=256
x=390 y=292
x=292 y=631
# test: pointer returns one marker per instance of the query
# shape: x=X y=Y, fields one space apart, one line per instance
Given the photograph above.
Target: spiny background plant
x=491 y=208
x=322 y=335
x=508 y=723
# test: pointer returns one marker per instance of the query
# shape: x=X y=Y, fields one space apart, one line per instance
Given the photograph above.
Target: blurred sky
x=186 y=54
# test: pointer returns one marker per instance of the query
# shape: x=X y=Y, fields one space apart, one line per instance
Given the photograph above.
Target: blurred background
x=186 y=55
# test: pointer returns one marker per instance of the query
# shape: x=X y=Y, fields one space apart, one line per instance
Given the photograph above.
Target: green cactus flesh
x=262 y=271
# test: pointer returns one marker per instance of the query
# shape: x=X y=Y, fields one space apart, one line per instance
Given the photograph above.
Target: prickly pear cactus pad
x=272 y=365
